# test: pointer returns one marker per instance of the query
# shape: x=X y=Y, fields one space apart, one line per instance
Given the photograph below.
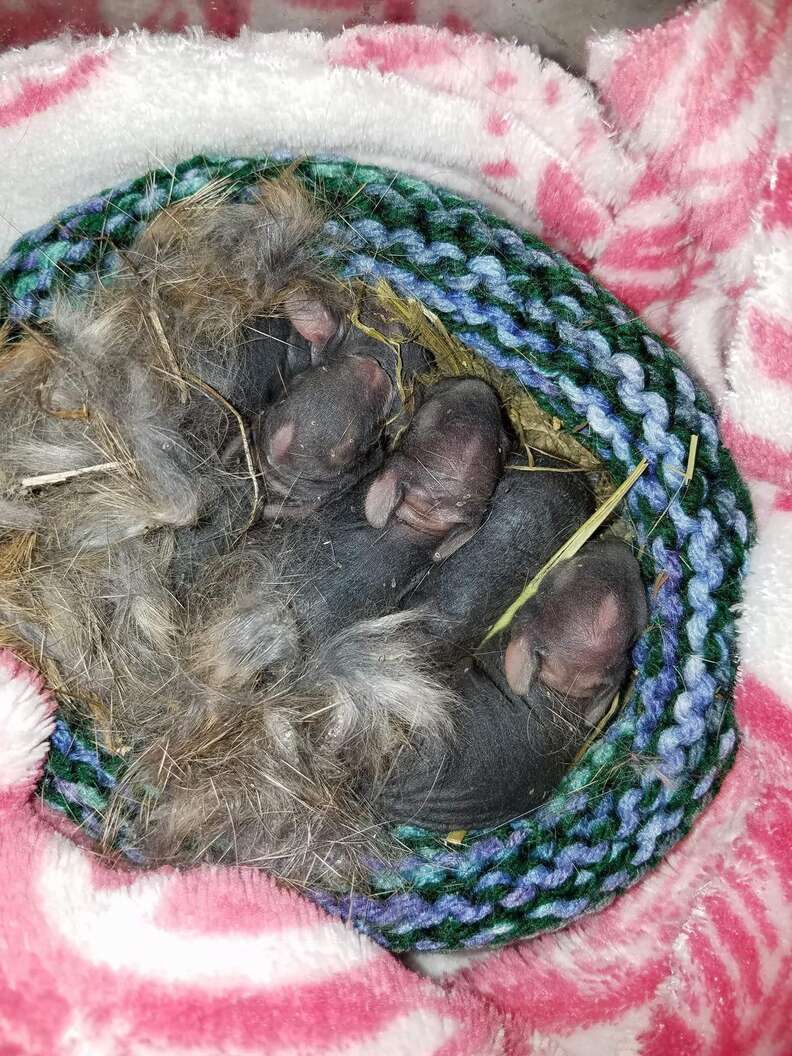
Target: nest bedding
x=588 y=361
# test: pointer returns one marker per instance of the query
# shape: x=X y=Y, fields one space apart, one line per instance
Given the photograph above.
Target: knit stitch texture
x=587 y=360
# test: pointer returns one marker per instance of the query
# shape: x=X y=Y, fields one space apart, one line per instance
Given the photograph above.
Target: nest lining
x=524 y=310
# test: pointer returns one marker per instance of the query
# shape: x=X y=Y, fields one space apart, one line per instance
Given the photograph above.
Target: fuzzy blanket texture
x=673 y=185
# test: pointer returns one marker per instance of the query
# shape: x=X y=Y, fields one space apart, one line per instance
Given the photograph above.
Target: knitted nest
x=586 y=360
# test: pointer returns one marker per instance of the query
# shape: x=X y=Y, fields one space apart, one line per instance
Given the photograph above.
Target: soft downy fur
x=146 y=371
x=256 y=749
x=246 y=739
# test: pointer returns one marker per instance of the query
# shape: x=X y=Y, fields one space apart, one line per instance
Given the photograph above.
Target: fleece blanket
x=671 y=180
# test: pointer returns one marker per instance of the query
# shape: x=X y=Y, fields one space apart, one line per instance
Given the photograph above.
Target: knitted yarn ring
x=586 y=359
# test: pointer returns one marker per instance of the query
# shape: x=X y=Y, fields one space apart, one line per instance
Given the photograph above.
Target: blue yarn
x=564 y=909
x=65 y=741
x=648 y=835
x=483 y=303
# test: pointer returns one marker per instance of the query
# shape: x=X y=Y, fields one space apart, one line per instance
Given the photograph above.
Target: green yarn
x=586 y=358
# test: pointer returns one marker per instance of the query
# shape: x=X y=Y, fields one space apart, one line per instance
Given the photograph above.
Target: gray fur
x=247 y=734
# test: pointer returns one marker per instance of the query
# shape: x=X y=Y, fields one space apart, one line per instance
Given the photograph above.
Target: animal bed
x=603 y=375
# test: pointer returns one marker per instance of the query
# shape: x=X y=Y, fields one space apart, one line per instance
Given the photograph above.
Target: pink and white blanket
x=672 y=182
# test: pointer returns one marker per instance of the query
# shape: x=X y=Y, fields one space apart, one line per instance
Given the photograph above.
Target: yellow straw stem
x=457 y=837
x=598 y=728
x=691 y=462
x=569 y=549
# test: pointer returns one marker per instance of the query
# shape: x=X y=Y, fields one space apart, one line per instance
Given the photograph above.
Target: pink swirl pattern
x=673 y=184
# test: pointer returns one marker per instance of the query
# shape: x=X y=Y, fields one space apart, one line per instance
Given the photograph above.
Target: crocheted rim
x=586 y=359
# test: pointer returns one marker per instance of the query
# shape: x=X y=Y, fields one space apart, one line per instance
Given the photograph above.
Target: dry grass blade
x=375 y=334
x=372 y=332
x=77 y=414
x=691 y=462
x=210 y=391
x=597 y=730
x=68 y=474
x=456 y=838
x=549 y=469
x=170 y=355
x=16 y=555
x=569 y=549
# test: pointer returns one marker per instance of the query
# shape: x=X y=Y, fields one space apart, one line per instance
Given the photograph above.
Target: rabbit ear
x=310 y=318
x=374 y=385
x=384 y=496
x=281 y=441
x=521 y=663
